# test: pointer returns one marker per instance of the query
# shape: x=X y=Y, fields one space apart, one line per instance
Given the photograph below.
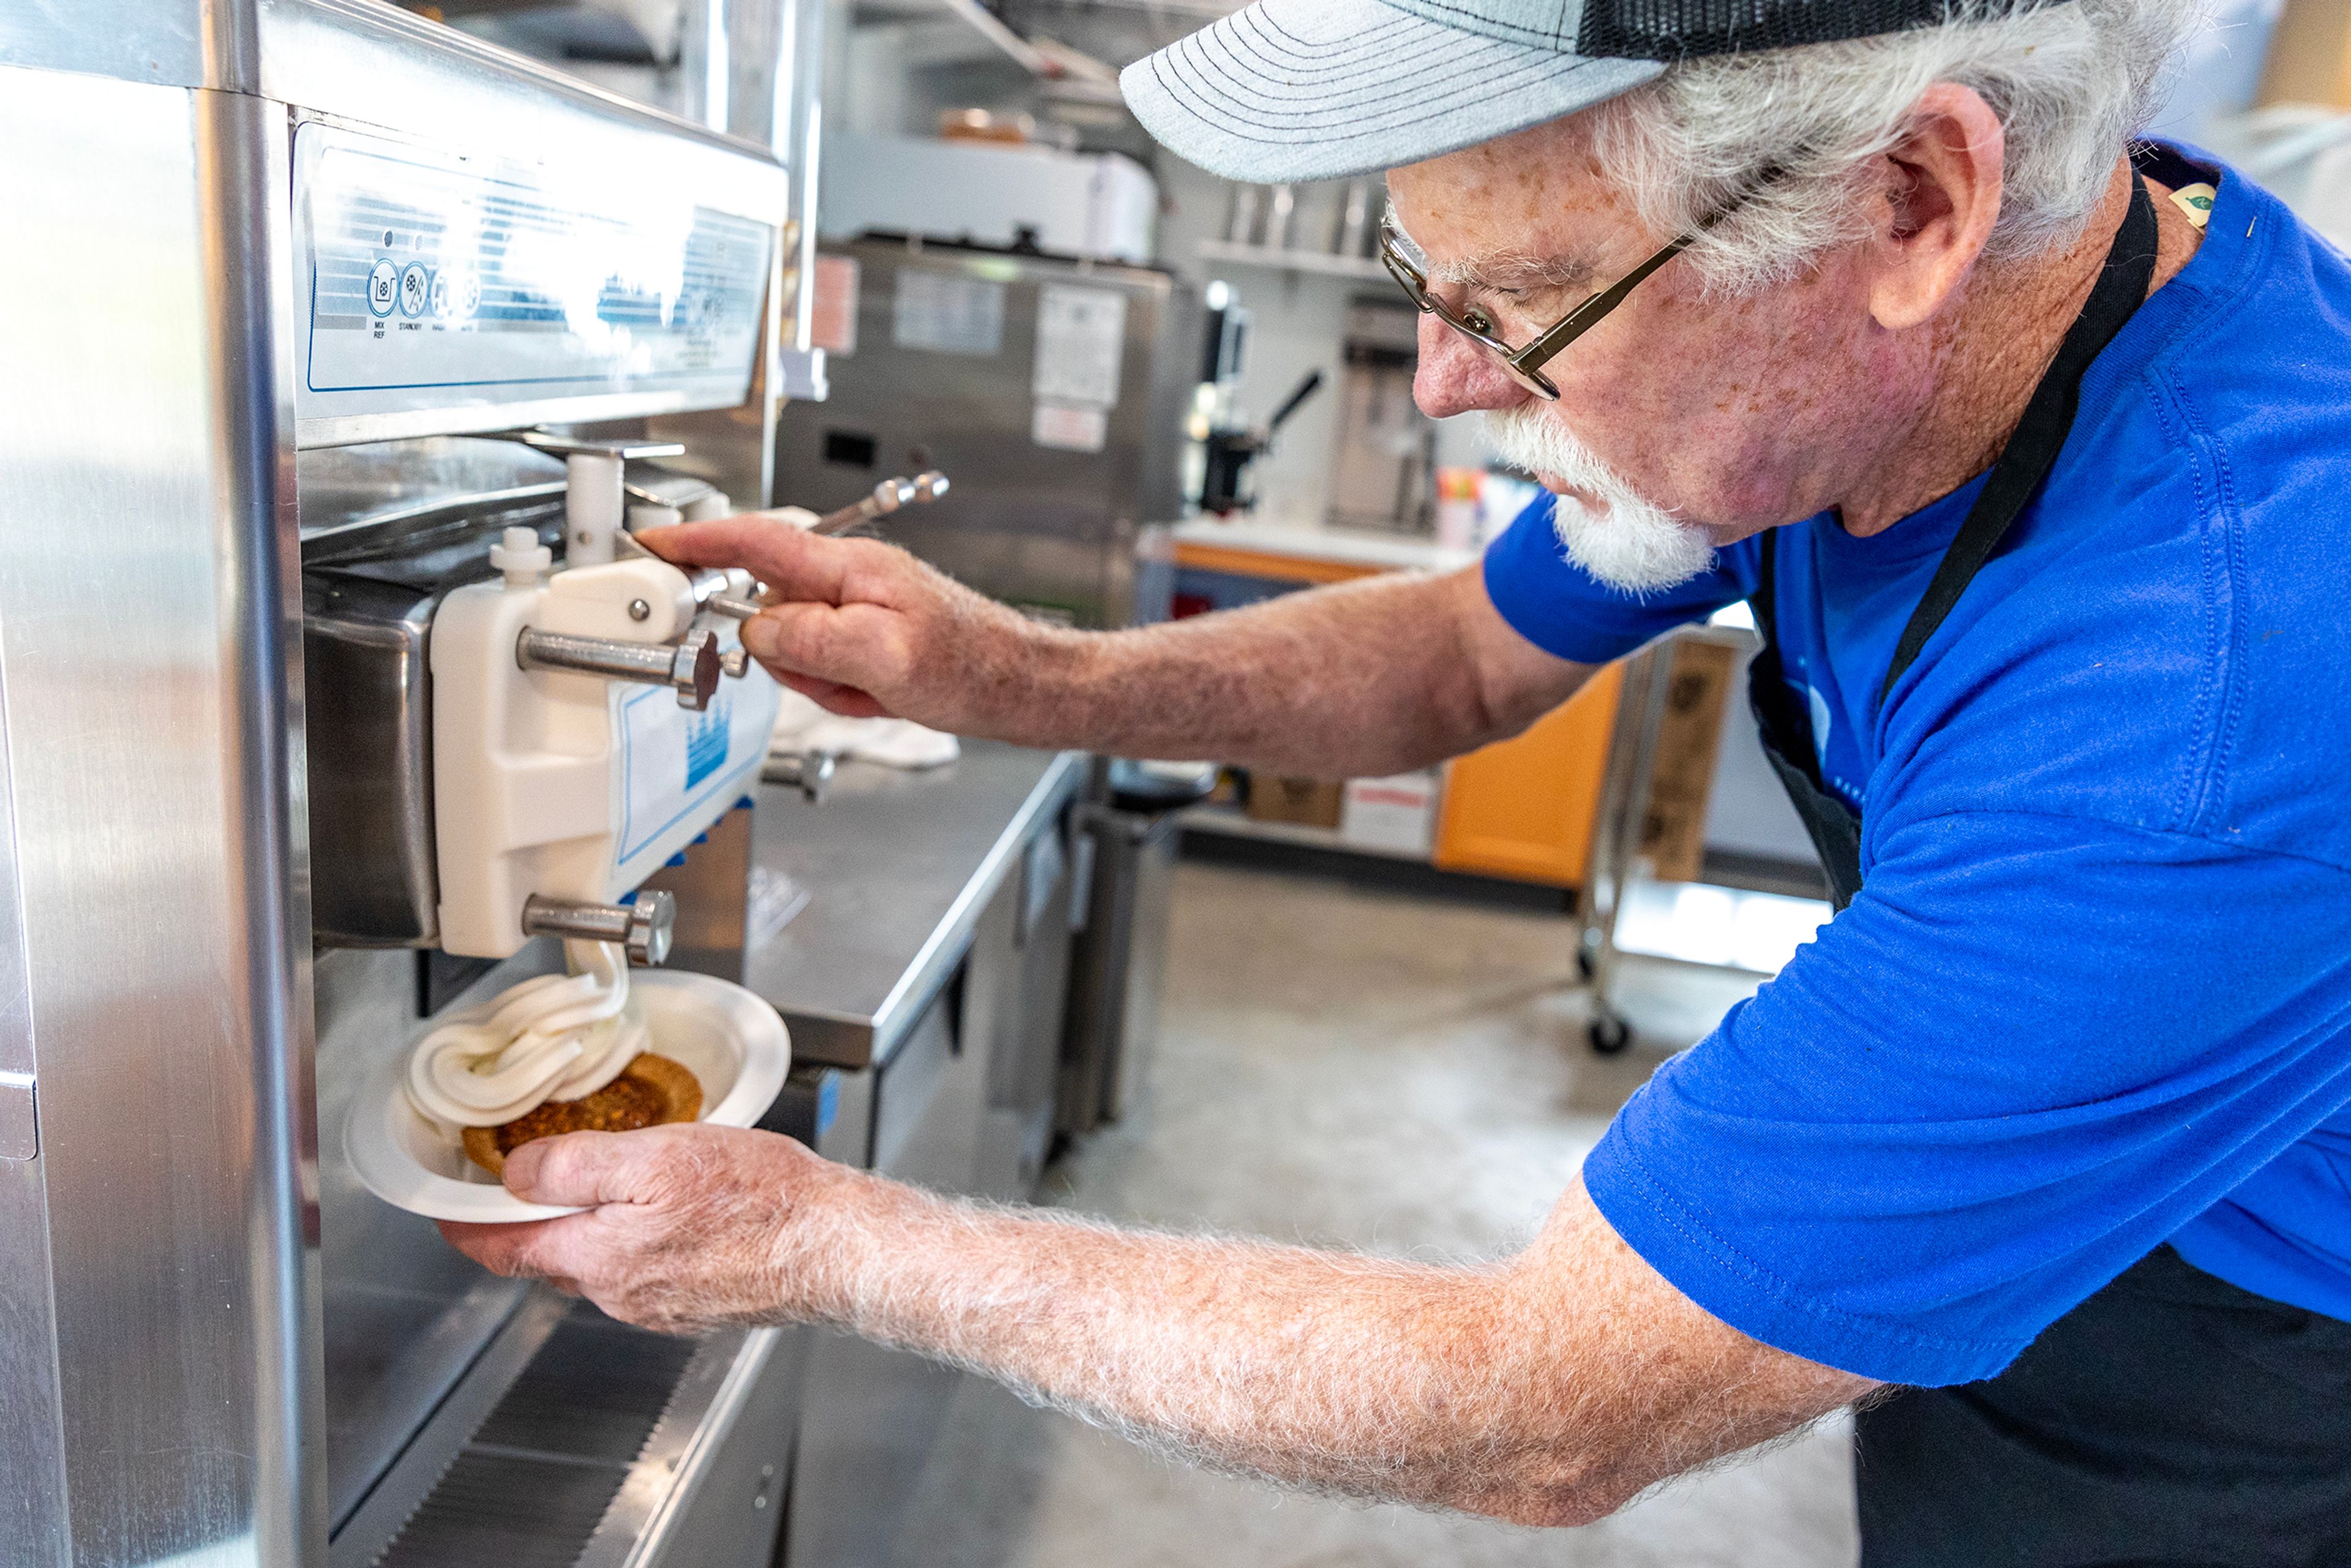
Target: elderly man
x=2027 y=446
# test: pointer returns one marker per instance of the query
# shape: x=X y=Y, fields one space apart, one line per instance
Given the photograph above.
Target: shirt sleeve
x=1561 y=608
x=2030 y=1050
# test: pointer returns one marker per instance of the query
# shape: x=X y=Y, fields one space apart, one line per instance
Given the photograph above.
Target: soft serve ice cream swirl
x=558 y=1037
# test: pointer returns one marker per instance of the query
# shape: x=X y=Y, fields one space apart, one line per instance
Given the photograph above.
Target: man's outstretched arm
x=1548 y=1389
x=1369 y=678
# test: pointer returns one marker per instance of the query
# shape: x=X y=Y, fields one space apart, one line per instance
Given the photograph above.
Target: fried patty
x=650 y=1090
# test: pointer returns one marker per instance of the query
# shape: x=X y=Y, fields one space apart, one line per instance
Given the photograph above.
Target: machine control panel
x=433 y=281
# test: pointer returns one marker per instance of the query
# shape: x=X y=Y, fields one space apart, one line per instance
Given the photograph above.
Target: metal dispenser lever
x=887 y=496
x=808 y=772
x=691 y=666
x=645 y=927
x=734 y=593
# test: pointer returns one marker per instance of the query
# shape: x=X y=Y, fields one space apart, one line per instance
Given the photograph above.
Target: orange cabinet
x=1525 y=807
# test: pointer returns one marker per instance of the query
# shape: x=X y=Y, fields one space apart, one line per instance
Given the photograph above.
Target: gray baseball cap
x=1319 y=89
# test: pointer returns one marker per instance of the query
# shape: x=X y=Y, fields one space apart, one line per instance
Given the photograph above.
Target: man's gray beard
x=1627 y=541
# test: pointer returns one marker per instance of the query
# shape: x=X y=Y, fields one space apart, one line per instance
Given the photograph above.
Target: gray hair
x=2070 y=82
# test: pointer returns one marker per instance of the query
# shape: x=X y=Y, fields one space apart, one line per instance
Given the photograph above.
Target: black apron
x=2172 y=1418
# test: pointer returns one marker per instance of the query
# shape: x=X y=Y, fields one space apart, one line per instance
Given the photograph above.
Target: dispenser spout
x=645 y=927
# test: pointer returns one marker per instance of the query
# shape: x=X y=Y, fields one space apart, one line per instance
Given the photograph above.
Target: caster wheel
x=1609 y=1035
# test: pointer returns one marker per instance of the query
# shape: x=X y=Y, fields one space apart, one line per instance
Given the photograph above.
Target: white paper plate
x=728 y=1039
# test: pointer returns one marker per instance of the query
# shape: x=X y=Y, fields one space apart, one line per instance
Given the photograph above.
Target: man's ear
x=1943 y=188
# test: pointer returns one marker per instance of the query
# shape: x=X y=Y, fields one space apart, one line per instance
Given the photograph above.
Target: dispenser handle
x=807 y=772
x=887 y=496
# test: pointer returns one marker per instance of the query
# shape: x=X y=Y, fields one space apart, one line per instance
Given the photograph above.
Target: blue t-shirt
x=2095 y=992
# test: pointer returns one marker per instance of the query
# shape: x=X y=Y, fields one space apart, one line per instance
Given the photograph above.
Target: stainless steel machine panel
x=161 y=1197
x=371 y=576
x=162 y=1409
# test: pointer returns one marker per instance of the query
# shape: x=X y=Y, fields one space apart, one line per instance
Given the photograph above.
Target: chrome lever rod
x=887 y=498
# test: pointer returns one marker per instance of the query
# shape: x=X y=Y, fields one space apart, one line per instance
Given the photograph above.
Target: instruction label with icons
x=429 y=272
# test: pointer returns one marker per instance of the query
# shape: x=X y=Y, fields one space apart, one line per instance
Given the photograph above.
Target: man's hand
x=865 y=629
x=684 y=1230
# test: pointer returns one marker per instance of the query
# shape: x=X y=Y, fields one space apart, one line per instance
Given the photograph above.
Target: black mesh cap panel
x=1681 y=29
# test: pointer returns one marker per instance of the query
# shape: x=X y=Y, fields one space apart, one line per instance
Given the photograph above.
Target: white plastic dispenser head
x=593 y=503
x=568 y=784
x=716 y=504
x=522 y=558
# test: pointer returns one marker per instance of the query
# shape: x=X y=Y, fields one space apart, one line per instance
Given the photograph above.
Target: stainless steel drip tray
x=578 y=1442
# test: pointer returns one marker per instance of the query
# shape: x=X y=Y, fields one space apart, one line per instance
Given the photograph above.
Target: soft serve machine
x=338 y=353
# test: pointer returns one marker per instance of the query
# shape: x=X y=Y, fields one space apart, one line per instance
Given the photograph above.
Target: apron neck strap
x=2031 y=451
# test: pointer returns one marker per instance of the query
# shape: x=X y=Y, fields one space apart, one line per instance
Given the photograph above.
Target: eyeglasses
x=1525 y=365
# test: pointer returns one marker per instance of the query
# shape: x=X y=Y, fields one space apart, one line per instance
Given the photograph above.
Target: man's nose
x=1456 y=376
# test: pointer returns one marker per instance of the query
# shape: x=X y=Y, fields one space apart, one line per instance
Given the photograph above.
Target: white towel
x=802 y=726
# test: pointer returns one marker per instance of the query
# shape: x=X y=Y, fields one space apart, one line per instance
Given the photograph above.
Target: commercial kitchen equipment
x=1227 y=451
x=1383 y=461
x=1053 y=391
x=1132 y=836
x=330 y=680
x=1673 y=745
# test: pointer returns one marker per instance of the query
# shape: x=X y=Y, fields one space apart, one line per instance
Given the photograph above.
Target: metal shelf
x=1320 y=263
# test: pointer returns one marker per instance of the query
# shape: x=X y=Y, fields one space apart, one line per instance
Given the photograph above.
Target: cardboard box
x=1681 y=775
x=1307 y=802
x=1397 y=815
x=2310 y=55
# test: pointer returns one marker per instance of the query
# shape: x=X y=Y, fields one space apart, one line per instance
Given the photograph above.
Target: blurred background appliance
x=990 y=193
x=1383 y=464
x=1053 y=389
x=1228 y=449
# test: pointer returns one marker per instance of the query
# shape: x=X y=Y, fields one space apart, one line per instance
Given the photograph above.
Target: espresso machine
x=339 y=353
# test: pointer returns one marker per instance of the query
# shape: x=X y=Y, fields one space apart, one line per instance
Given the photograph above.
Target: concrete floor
x=1356 y=1068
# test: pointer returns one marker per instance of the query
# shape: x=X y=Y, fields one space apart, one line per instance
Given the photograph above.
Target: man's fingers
x=534 y=1247
x=581 y=1170
x=826 y=641
x=849 y=702
x=794 y=563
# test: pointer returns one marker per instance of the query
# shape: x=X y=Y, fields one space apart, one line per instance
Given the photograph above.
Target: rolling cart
x=1622 y=825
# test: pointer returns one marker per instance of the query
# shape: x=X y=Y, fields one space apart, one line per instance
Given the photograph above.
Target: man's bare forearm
x=1547 y=1388
x=1366 y=679
x=1373 y=677
x=1493 y=1390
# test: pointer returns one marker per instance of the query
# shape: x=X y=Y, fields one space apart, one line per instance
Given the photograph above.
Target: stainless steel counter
x=924 y=983
x=899 y=867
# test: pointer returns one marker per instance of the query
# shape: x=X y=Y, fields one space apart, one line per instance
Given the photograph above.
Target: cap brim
x=1322 y=89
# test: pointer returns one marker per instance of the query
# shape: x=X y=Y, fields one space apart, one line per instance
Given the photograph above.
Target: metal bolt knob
x=689 y=666
x=645 y=927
